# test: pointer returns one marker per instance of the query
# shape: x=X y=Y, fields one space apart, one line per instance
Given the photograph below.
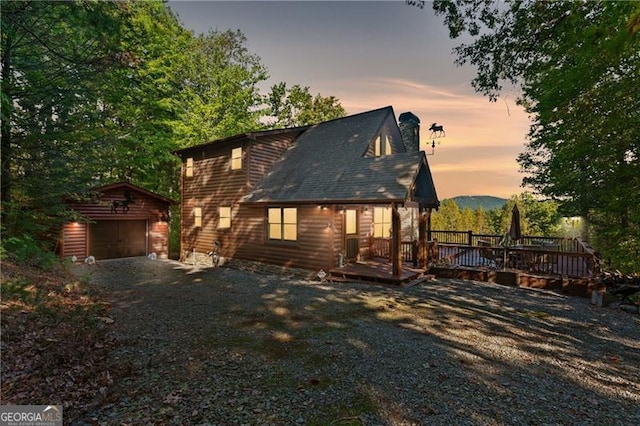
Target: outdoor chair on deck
x=488 y=255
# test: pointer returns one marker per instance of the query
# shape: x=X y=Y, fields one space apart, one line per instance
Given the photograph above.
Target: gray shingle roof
x=326 y=164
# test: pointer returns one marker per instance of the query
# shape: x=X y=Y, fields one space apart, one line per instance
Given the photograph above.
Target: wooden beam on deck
x=396 y=242
x=422 y=238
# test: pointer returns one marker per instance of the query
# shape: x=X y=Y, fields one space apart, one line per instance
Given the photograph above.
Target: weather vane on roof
x=437 y=131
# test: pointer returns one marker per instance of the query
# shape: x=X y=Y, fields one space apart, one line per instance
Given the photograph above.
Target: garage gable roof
x=127 y=185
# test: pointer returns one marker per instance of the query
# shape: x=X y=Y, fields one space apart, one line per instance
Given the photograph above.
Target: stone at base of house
x=270 y=269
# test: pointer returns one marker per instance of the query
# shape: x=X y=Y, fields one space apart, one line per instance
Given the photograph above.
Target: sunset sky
x=373 y=54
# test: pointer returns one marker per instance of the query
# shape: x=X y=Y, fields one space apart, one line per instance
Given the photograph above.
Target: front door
x=351 y=238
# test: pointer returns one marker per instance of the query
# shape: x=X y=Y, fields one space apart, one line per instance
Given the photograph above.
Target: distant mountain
x=487 y=202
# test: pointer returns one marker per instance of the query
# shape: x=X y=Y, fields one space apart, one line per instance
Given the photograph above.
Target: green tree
x=297 y=107
x=481 y=221
x=578 y=66
x=220 y=95
x=467 y=220
x=54 y=56
x=541 y=216
x=447 y=217
x=141 y=103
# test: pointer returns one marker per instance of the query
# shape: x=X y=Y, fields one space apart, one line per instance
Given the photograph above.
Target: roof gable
x=423 y=190
x=390 y=133
x=328 y=163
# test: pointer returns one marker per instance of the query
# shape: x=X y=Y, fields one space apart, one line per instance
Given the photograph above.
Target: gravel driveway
x=224 y=346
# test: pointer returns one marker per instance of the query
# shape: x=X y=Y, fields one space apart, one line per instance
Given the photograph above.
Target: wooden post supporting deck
x=422 y=238
x=396 y=242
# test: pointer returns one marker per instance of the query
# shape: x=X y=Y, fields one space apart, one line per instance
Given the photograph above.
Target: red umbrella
x=515 y=232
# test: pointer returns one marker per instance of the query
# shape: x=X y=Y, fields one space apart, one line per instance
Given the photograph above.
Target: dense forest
x=97 y=92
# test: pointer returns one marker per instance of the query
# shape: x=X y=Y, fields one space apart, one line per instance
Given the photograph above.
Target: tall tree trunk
x=7 y=113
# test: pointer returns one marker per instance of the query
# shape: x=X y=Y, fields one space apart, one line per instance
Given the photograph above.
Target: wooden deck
x=548 y=262
x=377 y=271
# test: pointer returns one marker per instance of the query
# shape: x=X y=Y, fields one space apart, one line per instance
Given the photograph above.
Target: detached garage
x=124 y=221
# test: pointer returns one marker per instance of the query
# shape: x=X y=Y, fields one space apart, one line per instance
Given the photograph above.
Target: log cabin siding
x=213 y=185
x=74 y=240
x=263 y=155
x=338 y=235
x=312 y=250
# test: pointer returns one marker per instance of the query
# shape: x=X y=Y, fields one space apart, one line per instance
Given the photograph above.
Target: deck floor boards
x=375 y=271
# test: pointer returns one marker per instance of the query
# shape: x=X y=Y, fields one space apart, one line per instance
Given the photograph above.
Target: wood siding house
x=124 y=221
x=312 y=197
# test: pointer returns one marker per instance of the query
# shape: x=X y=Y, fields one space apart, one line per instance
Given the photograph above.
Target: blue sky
x=371 y=54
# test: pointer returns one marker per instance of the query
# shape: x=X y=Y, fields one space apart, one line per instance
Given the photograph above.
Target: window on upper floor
x=224 y=219
x=382 y=145
x=283 y=224
x=236 y=158
x=188 y=168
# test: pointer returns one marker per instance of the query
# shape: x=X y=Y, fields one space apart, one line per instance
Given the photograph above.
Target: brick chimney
x=410 y=129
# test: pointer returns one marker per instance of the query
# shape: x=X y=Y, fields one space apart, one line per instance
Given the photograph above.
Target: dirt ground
x=223 y=346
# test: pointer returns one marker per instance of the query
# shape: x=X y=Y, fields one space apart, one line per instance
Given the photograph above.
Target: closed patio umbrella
x=515 y=232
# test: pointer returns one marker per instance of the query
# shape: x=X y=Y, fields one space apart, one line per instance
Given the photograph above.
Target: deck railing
x=537 y=260
x=542 y=258
x=567 y=245
x=381 y=247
